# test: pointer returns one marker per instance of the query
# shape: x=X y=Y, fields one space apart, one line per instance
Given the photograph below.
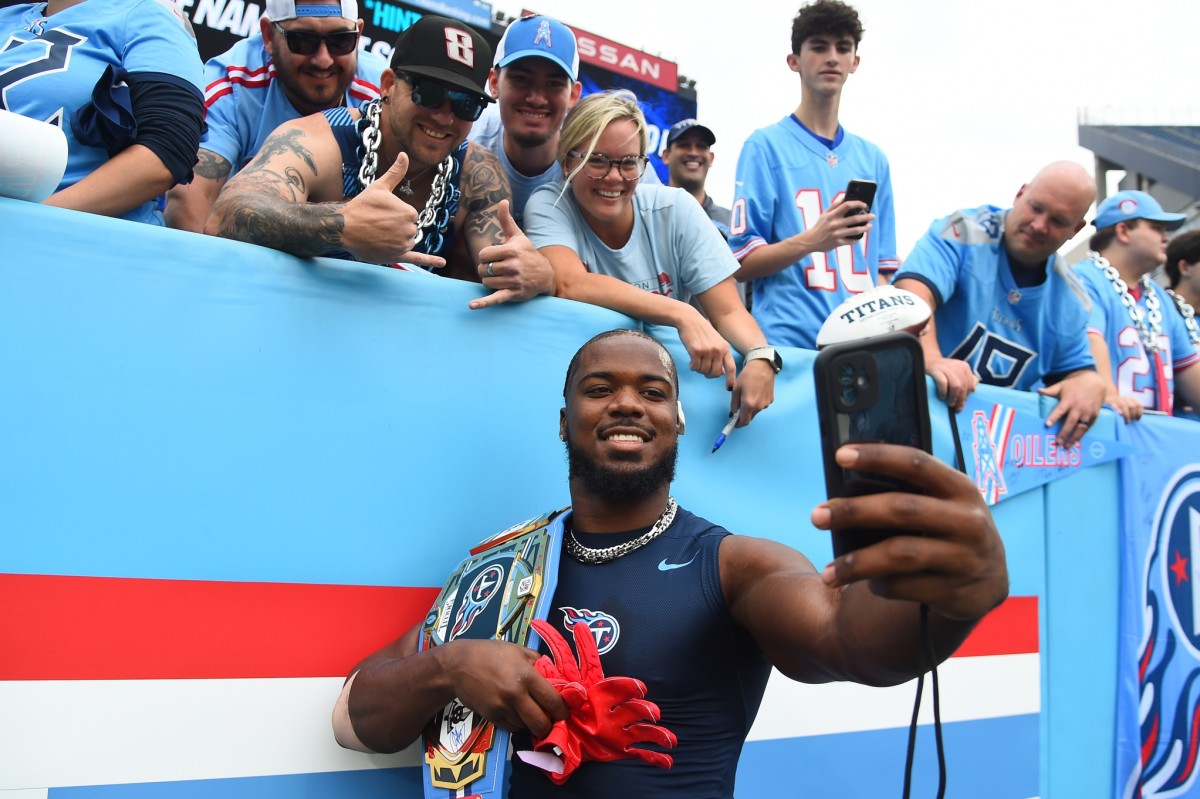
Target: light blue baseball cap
x=1126 y=205
x=541 y=37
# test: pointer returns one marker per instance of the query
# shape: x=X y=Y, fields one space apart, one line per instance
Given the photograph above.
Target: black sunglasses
x=307 y=42
x=428 y=93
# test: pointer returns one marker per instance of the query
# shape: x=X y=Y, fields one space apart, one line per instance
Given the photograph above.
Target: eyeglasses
x=428 y=93
x=308 y=43
x=598 y=165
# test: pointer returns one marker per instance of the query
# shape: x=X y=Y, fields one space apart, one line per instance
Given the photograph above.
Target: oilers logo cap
x=539 y=37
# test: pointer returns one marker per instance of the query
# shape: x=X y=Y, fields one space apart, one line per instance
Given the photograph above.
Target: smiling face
x=312 y=82
x=824 y=62
x=620 y=420
x=688 y=160
x=534 y=96
x=1047 y=212
x=427 y=135
x=607 y=202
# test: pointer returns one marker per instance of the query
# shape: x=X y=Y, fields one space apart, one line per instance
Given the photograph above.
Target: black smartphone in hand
x=861 y=191
x=869 y=391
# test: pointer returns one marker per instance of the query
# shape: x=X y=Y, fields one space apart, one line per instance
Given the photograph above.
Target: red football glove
x=608 y=714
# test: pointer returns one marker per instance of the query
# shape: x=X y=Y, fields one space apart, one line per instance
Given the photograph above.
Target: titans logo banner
x=1158 y=705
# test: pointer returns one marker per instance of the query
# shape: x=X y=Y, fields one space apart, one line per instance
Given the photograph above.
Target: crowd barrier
x=226 y=474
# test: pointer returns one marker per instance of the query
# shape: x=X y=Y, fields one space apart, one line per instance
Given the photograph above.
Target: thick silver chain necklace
x=589 y=555
x=1151 y=335
x=1189 y=318
x=371 y=139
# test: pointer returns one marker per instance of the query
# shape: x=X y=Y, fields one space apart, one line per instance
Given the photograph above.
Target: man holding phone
x=805 y=246
x=697 y=613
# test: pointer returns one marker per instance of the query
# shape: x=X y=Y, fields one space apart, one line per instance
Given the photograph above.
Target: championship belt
x=497 y=592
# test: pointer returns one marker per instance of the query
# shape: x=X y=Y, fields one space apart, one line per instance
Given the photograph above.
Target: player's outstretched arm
x=859 y=618
x=953 y=378
x=392 y=695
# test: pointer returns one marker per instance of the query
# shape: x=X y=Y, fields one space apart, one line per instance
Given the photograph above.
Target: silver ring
x=489 y=271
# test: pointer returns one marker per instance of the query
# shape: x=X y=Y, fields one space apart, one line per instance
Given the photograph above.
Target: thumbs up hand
x=379 y=227
x=513 y=269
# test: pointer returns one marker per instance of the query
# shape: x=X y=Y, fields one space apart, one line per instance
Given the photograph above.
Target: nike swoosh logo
x=663 y=566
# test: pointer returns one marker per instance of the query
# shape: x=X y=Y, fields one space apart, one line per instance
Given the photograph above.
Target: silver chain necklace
x=1150 y=335
x=371 y=139
x=589 y=555
x=1189 y=317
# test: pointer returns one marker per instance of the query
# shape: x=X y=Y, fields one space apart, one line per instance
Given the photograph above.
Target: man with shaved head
x=1007 y=311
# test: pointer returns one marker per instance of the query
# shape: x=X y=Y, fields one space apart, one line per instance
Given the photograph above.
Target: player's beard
x=621 y=485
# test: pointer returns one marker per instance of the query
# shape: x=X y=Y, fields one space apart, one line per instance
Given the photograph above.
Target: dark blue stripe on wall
x=988 y=759
x=394 y=783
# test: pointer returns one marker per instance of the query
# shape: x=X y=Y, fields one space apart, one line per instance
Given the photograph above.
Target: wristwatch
x=768 y=354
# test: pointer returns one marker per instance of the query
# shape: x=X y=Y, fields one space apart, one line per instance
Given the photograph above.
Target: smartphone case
x=890 y=406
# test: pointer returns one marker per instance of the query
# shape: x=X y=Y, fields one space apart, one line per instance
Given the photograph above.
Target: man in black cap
x=394 y=181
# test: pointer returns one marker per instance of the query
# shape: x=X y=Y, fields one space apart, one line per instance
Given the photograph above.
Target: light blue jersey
x=786 y=178
x=244 y=102
x=674 y=249
x=1134 y=370
x=49 y=66
x=1012 y=336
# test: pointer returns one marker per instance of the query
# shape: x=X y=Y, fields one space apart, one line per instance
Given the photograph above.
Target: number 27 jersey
x=785 y=178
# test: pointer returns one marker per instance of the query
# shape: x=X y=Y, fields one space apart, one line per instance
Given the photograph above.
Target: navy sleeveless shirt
x=659 y=614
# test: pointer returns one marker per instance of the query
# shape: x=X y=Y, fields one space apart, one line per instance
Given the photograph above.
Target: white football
x=876 y=312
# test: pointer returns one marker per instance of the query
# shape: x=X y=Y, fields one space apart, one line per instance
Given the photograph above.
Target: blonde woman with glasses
x=646 y=250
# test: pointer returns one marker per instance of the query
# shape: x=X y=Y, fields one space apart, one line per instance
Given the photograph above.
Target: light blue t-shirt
x=674 y=249
x=488 y=133
x=49 y=66
x=786 y=178
x=244 y=102
x=1133 y=369
x=1012 y=336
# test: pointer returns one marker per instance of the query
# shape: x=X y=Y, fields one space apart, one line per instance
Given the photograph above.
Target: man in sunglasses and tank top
x=304 y=58
x=395 y=181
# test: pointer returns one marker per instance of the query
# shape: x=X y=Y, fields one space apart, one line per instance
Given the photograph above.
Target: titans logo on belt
x=1169 y=659
x=604 y=627
x=485 y=586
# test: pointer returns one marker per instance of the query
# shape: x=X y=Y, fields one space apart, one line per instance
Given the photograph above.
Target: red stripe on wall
x=100 y=628
x=103 y=628
x=1011 y=629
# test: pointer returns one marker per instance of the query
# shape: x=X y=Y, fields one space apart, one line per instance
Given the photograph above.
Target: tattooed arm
x=290 y=198
x=517 y=270
x=189 y=204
